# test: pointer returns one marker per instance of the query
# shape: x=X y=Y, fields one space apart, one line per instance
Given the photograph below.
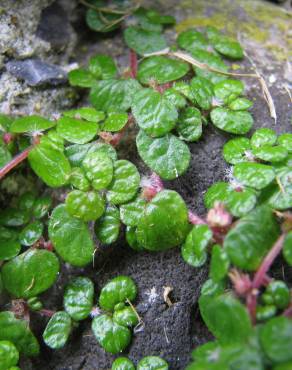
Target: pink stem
x=195 y=219
x=133 y=63
x=14 y=162
x=288 y=311
x=45 y=312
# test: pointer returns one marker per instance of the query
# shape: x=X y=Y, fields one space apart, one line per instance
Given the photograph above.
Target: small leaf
x=217 y=192
x=86 y=113
x=144 y=42
x=78 y=298
x=125 y=184
x=164 y=222
x=287 y=248
x=30 y=273
x=161 y=69
x=131 y=237
x=108 y=226
x=26 y=201
x=270 y=153
x=255 y=175
x=58 y=330
x=117 y=290
x=285 y=140
x=102 y=67
x=106 y=22
x=42 y=206
x=125 y=317
x=241 y=201
x=240 y=104
x=31 y=233
x=88 y=206
x=153 y=113
x=189 y=125
x=5 y=155
x=263 y=136
x=70 y=237
x=122 y=363
x=228 y=90
x=115 y=121
x=157 y=18
x=9 y=355
x=9 y=244
x=235 y=150
x=191 y=40
x=152 y=363
x=175 y=98
x=31 y=124
x=81 y=77
x=112 y=337
x=194 y=249
x=224 y=45
x=14 y=217
x=234 y=122
x=202 y=91
x=78 y=179
x=219 y=263
x=98 y=168
x=131 y=212
x=76 y=131
x=168 y=156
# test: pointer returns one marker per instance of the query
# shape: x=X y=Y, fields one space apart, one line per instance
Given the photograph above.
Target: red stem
x=14 y=162
x=45 y=312
x=195 y=219
x=133 y=63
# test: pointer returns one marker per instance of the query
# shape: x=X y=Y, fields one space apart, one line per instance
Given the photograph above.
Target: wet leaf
x=115 y=121
x=131 y=212
x=78 y=179
x=125 y=317
x=263 y=136
x=122 y=363
x=77 y=131
x=240 y=104
x=202 y=91
x=189 y=124
x=287 y=248
x=9 y=244
x=98 y=167
x=225 y=45
x=191 y=40
x=31 y=124
x=131 y=238
x=108 y=226
x=102 y=67
x=228 y=90
x=217 y=192
x=255 y=175
x=152 y=363
x=241 y=201
x=235 y=150
x=85 y=113
x=175 y=98
x=285 y=140
x=107 y=23
x=219 y=263
x=81 y=77
x=31 y=233
x=42 y=206
x=270 y=153
x=58 y=330
x=9 y=355
x=234 y=122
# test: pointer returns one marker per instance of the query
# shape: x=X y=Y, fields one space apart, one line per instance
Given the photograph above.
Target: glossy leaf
x=270 y=153
x=81 y=77
x=26 y=201
x=217 y=192
x=58 y=330
x=85 y=113
x=278 y=293
x=78 y=179
x=42 y=206
x=70 y=237
x=31 y=233
x=30 y=273
x=189 y=125
x=152 y=363
x=9 y=355
x=102 y=66
x=125 y=317
x=241 y=201
x=76 y=131
x=164 y=223
x=228 y=90
x=287 y=248
x=263 y=136
x=240 y=104
x=9 y=244
x=234 y=122
x=31 y=124
x=115 y=121
x=255 y=175
x=235 y=150
x=131 y=212
x=14 y=217
x=219 y=263
x=131 y=237
x=202 y=91
x=175 y=98
x=78 y=298
x=122 y=363
x=225 y=45
x=191 y=40
x=108 y=226
x=5 y=155
x=105 y=23
x=98 y=168
x=168 y=156
x=285 y=140
x=153 y=113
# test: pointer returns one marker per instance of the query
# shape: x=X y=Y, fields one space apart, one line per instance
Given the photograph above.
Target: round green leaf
x=192 y=40
x=194 y=249
x=115 y=121
x=125 y=184
x=70 y=237
x=86 y=113
x=81 y=77
x=217 y=192
x=234 y=122
x=9 y=244
x=86 y=206
x=270 y=153
x=78 y=179
x=287 y=248
x=5 y=155
x=251 y=238
x=30 y=273
x=76 y=130
x=285 y=140
x=219 y=263
x=131 y=238
x=175 y=98
x=161 y=69
x=240 y=104
x=78 y=298
x=107 y=228
x=189 y=125
x=152 y=363
x=105 y=23
x=241 y=201
x=202 y=91
x=117 y=290
x=31 y=233
x=58 y=330
x=131 y=212
x=122 y=363
x=168 y=156
x=224 y=45
x=9 y=355
x=228 y=90
x=144 y=42
x=153 y=113
x=42 y=206
x=31 y=124
x=14 y=217
x=235 y=150
x=164 y=222
x=263 y=136
x=255 y=175
x=18 y=332
x=125 y=317
x=278 y=294
x=281 y=191
x=98 y=168
x=157 y=18
x=113 y=338
x=102 y=66
x=26 y=201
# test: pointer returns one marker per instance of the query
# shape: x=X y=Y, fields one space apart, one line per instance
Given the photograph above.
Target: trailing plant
x=146 y=363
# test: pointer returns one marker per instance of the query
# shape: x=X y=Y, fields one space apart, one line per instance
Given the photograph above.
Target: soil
x=169 y=331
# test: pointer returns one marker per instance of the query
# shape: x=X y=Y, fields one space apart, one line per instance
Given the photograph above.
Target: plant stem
x=45 y=312
x=133 y=63
x=15 y=162
x=195 y=219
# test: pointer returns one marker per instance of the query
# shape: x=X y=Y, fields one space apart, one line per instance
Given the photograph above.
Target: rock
x=36 y=72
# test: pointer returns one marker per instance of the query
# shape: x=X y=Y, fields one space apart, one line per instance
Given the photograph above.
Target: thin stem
x=133 y=63
x=15 y=162
x=47 y=313
x=195 y=219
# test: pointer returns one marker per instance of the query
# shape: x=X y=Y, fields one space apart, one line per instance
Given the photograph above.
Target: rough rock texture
x=171 y=332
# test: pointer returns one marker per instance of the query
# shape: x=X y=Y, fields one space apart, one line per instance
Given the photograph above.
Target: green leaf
x=145 y=22
x=224 y=45
x=81 y=77
x=228 y=90
x=31 y=124
x=131 y=212
x=105 y=23
x=88 y=206
x=235 y=150
x=175 y=98
x=164 y=223
x=30 y=273
x=191 y=40
x=202 y=91
x=5 y=155
x=115 y=121
x=287 y=248
x=241 y=201
x=112 y=337
x=70 y=237
x=86 y=113
x=285 y=140
x=9 y=244
x=78 y=298
x=42 y=206
x=9 y=355
x=50 y=164
x=125 y=184
x=161 y=69
x=189 y=125
x=108 y=226
x=251 y=238
x=226 y=317
x=219 y=263
x=117 y=290
x=102 y=67
x=217 y=192
x=78 y=179
x=240 y=104
x=168 y=156
x=155 y=17
x=131 y=238
x=26 y=201
x=194 y=250
x=31 y=233
x=125 y=317
x=153 y=113
x=278 y=294
x=14 y=217
x=152 y=363
x=114 y=95
x=18 y=332
x=234 y=122
x=99 y=169
x=263 y=136
x=58 y=330
x=276 y=339
x=76 y=131
x=144 y=42
x=255 y=175
x=270 y=153
x=122 y=363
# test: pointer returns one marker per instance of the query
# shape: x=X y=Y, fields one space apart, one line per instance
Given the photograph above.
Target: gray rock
x=36 y=72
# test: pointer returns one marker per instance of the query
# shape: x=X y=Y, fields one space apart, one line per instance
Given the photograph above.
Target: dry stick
x=15 y=161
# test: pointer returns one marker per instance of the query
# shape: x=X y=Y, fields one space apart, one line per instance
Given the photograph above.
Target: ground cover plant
x=169 y=94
